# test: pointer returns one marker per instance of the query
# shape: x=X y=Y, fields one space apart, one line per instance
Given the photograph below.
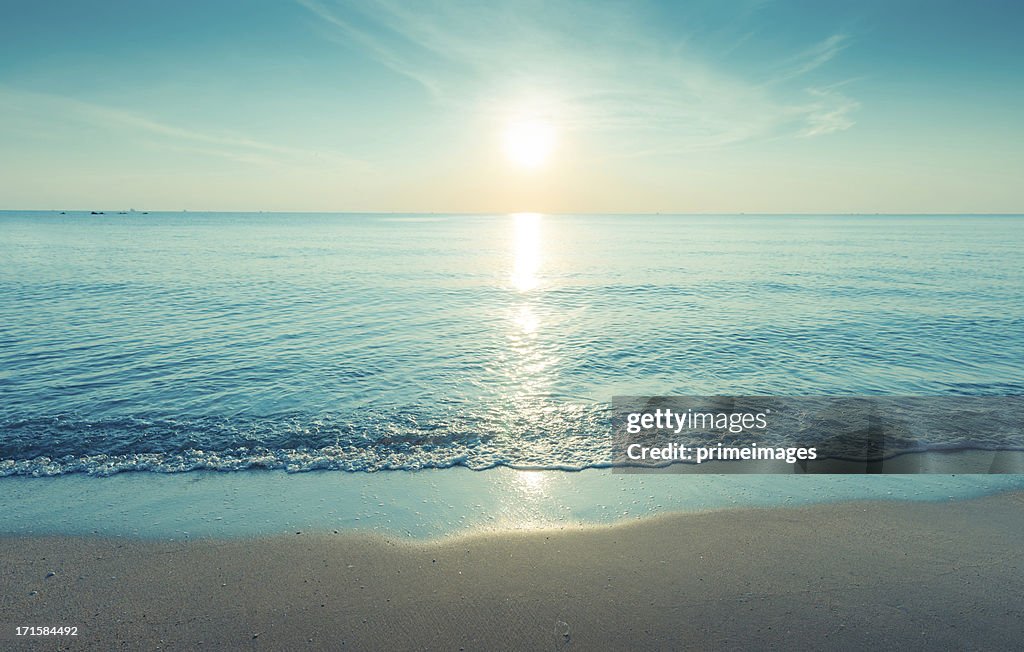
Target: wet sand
x=894 y=575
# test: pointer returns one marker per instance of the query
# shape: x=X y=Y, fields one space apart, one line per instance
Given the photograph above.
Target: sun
x=529 y=143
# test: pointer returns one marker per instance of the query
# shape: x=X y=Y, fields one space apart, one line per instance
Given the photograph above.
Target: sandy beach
x=939 y=575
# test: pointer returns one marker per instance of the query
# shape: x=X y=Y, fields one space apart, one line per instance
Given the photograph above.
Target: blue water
x=180 y=341
x=427 y=504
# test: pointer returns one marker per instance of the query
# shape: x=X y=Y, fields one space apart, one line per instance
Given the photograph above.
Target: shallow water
x=180 y=341
x=425 y=504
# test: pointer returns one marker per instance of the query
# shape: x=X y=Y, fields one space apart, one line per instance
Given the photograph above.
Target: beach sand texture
x=893 y=575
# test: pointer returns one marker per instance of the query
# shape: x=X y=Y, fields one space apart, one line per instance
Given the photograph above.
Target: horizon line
x=134 y=211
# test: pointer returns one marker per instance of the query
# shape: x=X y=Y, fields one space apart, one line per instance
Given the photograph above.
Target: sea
x=182 y=342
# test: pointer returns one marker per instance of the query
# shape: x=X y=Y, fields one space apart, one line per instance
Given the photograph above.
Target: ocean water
x=428 y=504
x=184 y=341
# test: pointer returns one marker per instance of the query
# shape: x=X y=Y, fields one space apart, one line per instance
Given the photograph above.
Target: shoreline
x=928 y=461
x=923 y=575
x=430 y=503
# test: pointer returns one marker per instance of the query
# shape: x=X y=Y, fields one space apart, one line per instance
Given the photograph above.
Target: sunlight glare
x=529 y=143
x=531 y=482
x=526 y=251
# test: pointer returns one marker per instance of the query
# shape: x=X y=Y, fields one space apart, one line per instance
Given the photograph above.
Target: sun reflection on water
x=531 y=482
x=526 y=251
x=528 y=502
x=526 y=320
x=529 y=365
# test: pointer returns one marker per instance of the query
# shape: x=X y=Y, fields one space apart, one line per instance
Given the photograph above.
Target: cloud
x=50 y=110
x=829 y=113
x=811 y=59
x=593 y=67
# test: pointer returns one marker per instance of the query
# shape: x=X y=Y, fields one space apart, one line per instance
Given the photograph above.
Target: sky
x=577 y=106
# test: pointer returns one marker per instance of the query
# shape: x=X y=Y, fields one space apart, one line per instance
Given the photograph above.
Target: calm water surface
x=177 y=341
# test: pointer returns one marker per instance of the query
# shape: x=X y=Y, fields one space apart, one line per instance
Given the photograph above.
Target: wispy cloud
x=51 y=110
x=594 y=67
x=811 y=58
x=829 y=112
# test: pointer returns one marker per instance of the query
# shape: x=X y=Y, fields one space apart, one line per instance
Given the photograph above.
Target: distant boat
x=96 y=213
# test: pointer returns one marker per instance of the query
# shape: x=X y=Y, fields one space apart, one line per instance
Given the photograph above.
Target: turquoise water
x=425 y=504
x=183 y=341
